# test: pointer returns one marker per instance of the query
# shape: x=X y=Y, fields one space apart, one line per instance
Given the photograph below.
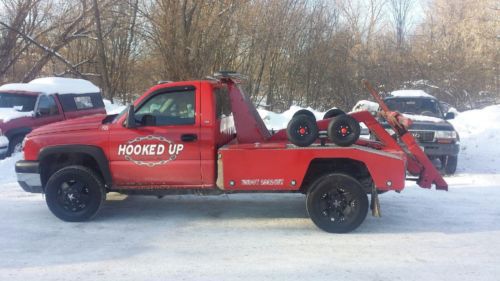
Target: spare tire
x=302 y=130
x=344 y=130
x=304 y=112
x=334 y=112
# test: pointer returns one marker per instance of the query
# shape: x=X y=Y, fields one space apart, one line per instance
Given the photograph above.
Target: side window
x=83 y=102
x=75 y=102
x=172 y=108
x=222 y=103
x=47 y=106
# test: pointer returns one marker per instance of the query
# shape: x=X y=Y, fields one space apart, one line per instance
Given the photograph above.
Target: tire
x=15 y=145
x=334 y=112
x=337 y=203
x=74 y=193
x=302 y=130
x=344 y=130
x=449 y=163
x=304 y=112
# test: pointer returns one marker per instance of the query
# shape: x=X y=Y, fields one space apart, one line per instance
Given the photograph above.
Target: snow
x=423 y=118
x=366 y=105
x=277 y=121
x=422 y=235
x=7 y=114
x=113 y=108
x=4 y=142
x=411 y=94
x=479 y=132
x=53 y=85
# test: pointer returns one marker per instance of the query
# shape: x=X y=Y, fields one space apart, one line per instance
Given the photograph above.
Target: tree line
x=305 y=52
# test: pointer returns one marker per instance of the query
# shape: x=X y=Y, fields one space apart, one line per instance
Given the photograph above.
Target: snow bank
x=7 y=170
x=7 y=114
x=479 y=132
x=278 y=121
x=113 y=108
x=367 y=105
x=53 y=85
x=4 y=141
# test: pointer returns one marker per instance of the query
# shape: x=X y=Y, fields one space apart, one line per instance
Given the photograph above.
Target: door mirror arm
x=130 y=121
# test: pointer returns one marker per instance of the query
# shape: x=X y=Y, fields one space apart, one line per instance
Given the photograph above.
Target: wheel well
x=56 y=161
x=351 y=167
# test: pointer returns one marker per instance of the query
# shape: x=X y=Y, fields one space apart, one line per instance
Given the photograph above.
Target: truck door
x=47 y=111
x=164 y=149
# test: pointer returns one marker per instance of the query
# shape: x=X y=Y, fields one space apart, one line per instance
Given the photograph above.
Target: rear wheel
x=74 y=193
x=337 y=203
x=344 y=130
x=302 y=130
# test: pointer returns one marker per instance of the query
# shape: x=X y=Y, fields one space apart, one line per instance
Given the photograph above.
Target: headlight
x=446 y=135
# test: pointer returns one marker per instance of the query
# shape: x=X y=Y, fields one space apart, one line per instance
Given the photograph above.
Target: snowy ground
x=423 y=234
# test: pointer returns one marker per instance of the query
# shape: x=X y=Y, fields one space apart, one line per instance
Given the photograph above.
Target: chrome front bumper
x=28 y=176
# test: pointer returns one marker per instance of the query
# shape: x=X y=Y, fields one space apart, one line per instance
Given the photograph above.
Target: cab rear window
x=222 y=102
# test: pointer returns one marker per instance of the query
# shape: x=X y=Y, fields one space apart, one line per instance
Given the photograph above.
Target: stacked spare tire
x=343 y=129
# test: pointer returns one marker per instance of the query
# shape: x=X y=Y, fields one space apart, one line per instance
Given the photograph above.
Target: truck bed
x=283 y=166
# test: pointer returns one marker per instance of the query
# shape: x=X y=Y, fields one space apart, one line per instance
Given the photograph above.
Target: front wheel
x=15 y=145
x=449 y=163
x=74 y=193
x=337 y=203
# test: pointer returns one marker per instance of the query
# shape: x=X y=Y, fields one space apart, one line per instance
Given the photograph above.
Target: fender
x=93 y=151
x=23 y=131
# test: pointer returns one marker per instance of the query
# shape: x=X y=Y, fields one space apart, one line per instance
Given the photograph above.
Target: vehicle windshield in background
x=24 y=103
x=415 y=106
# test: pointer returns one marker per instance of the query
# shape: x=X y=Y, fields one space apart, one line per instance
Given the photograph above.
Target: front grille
x=423 y=136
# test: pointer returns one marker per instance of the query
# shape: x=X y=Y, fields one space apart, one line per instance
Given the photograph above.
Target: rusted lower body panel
x=283 y=166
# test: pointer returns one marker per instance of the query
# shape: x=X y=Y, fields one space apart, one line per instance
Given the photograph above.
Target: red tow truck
x=206 y=137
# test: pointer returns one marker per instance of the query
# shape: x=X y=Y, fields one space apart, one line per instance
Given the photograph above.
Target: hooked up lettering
x=150 y=150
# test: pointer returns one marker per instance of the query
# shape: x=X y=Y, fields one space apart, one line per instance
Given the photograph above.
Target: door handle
x=189 y=137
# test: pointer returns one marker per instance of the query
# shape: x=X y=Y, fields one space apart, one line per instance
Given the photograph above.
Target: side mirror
x=148 y=120
x=130 y=121
x=449 y=115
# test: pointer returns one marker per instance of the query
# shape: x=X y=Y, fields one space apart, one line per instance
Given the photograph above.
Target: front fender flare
x=93 y=151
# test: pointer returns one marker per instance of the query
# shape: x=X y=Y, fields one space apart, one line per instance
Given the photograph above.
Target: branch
x=44 y=48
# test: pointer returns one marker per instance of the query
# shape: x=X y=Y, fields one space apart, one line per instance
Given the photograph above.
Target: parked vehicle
x=206 y=137
x=25 y=106
x=430 y=127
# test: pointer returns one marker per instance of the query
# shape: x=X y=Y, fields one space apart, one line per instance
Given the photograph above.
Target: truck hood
x=421 y=122
x=91 y=122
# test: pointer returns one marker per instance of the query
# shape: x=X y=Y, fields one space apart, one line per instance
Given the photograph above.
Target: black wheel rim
x=339 y=206
x=73 y=195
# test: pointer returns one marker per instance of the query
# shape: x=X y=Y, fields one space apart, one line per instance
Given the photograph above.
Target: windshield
x=415 y=106
x=24 y=103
